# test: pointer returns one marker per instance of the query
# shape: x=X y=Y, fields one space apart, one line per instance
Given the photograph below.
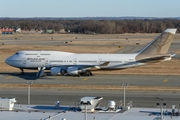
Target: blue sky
x=89 y=8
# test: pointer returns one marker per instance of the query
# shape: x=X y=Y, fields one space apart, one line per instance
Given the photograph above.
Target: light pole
x=85 y=106
x=85 y=112
x=161 y=109
x=124 y=92
x=29 y=89
x=178 y=109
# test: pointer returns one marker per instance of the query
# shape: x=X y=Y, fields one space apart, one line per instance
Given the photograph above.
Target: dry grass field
x=78 y=43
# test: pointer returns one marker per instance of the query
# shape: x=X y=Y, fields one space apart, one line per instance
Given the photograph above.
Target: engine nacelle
x=58 y=71
x=64 y=71
x=73 y=70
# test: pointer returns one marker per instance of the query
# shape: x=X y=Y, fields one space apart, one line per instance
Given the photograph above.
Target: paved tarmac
x=70 y=96
x=133 y=80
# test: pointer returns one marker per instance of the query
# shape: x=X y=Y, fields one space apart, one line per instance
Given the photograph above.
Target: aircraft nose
x=7 y=61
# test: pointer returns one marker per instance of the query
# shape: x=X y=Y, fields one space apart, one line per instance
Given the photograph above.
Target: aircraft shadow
x=26 y=76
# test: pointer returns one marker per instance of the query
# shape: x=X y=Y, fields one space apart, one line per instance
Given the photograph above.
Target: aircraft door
x=43 y=63
x=39 y=54
x=24 y=61
x=46 y=62
x=75 y=61
x=100 y=61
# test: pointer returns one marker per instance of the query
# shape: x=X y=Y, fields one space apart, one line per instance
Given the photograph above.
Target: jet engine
x=73 y=70
x=76 y=71
x=65 y=71
x=58 y=71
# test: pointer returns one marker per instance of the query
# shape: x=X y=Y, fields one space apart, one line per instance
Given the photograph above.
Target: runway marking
x=165 y=81
x=85 y=79
x=8 y=78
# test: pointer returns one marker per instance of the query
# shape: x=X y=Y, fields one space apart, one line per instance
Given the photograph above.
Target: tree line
x=95 y=26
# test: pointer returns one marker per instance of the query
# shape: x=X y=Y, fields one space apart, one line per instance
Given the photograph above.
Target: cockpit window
x=17 y=53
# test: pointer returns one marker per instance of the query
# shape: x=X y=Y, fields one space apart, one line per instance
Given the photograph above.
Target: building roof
x=29 y=112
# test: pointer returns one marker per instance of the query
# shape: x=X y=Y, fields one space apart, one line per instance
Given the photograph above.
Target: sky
x=89 y=8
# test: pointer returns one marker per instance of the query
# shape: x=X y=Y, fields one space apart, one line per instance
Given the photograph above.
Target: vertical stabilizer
x=159 y=46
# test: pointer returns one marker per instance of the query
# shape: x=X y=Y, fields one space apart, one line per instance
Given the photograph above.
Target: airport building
x=6 y=31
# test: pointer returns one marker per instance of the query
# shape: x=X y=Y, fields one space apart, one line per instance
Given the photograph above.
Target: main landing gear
x=22 y=71
x=86 y=73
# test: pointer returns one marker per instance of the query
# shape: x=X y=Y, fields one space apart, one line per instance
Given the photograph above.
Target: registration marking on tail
x=8 y=78
x=165 y=81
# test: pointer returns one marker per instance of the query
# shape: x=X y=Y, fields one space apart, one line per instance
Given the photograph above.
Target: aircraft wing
x=83 y=65
x=79 y=69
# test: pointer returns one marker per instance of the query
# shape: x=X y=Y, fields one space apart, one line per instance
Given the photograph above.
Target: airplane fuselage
x=48 y=59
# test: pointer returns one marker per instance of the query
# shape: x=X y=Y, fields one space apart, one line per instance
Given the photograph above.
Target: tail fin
x=159 y=46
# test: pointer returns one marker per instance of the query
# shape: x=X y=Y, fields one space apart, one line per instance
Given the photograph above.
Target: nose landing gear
x=22 y=71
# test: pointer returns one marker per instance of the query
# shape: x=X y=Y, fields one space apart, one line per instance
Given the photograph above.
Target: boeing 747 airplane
x=66 y=63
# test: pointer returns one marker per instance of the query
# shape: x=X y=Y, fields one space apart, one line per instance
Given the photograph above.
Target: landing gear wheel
x=44 y=75
x=22 y=72
x=77 y=75
x=90 y=73
x=86 y=73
